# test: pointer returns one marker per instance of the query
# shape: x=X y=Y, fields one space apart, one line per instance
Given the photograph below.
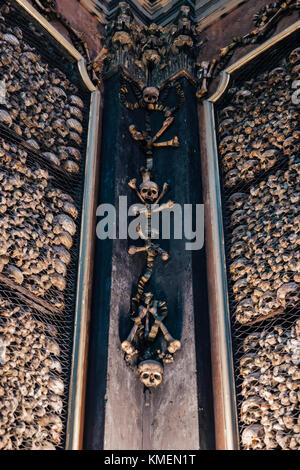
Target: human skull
x=251 y=410
x=237 y=200
x=239 y=268
x=229 y=160
x=226 y=127
x=151 y=373
x=290 y=145
x=232 y=177
x=227 y=144
x=288 y=294
x=149 y=191
x=294 y=56
x=150 y=95
x=252 y=437
x=267 y=303
x=242 y=97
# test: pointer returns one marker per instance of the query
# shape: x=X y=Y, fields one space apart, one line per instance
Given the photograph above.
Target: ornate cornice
x=265 y=20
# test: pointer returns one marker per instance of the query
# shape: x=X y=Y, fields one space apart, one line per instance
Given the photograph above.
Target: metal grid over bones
x=258 y=145
x=43 y=132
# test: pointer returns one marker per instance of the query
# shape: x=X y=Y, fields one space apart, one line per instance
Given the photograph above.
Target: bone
x=37 y=226
x=264 y=257
x=270 y=400
x=41 y=105
x=259 y=125
x=30 y=405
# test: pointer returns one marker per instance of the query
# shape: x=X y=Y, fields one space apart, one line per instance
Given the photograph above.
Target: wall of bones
x=259 y=161
x=42 y=148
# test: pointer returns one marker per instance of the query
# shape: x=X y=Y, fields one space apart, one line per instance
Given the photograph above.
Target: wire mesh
x=44 y=112
x=258 y=143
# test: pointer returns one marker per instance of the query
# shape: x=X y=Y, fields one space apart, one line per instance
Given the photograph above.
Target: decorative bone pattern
x=264 y=258
x=259 y=137
x=37 y=226
x=260 y=126
x=42 y=105
x=41 y=147
x=31 y=385
x=259 y=154
x=270 y=389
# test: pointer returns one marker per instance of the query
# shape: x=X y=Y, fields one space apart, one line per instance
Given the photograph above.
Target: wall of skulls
x=259 y=141
x=271 y=389
x=41 y=156
x=31 y=386
x=37 y=226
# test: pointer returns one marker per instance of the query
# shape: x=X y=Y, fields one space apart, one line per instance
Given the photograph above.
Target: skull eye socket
x=144 y=191
x=145 y=375
x=157 y=376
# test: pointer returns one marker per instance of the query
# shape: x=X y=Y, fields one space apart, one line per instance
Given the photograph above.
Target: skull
x=242 y=96
x=226 y=126
x=150 y=95
x=294 y=56
x=245 y=311
x=149 y=191
x=295 y=71
x=229 y=160
x=288 y=294
x=241 y=289
x=268 y=158
x=239 y=268
x=151 y=373
x=238 y=217
x=227 y=144
x=232 y=177
x=267 y=303
x=249 y=169
x=252 y=437
x=227 y=112
x=276 y=75
x=251 y=410
x=290 y=145
x=237 y=200
x=251 y=342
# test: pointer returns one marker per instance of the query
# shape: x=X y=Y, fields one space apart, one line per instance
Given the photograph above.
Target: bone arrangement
x=259 y=162
x=149 y=344
x=41 y=148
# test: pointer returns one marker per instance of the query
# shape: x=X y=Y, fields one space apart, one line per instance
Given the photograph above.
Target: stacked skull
x=37 y=226
x=259 y=135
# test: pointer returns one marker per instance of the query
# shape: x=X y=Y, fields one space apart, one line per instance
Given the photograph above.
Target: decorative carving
x=144 y=343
